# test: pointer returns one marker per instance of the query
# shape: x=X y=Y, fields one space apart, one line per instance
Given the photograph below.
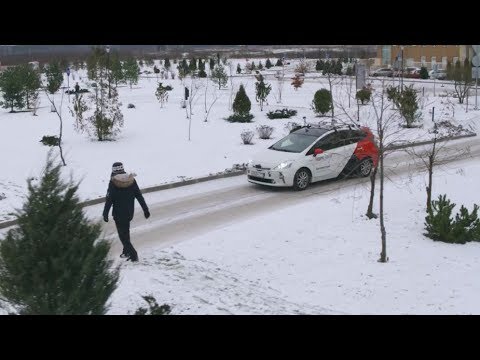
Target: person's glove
x=105 y=217
x=147 y=214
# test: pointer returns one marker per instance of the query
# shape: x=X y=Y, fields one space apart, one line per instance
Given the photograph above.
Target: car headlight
x=283 y=165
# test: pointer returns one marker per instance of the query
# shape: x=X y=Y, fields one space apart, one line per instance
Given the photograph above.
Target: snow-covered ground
x=317 y=256
x=154 y=141
x=323 y=260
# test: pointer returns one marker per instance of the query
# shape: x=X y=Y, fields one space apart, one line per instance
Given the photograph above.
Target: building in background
x=422 y=55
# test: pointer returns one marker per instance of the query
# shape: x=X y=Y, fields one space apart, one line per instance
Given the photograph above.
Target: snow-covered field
x=318 y=256
x=154 y=141
x=323 y=260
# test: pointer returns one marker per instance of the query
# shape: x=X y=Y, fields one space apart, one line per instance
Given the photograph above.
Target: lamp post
x=108 y=69
x=401 y=86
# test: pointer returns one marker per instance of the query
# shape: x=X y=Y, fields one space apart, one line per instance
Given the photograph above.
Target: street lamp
x=108 y=69
x=401 y=87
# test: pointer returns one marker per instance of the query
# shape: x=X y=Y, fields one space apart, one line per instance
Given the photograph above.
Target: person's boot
x=123 y=254
x=133 y=256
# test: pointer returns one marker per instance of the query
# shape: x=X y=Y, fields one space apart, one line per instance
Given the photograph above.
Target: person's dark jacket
x=122 y=191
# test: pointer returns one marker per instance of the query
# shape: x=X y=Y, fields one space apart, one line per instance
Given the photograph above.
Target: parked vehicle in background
x=412 y=72
x=440 y=74
x=382 y=72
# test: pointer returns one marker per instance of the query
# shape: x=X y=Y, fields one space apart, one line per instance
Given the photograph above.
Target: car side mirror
x=317 y=152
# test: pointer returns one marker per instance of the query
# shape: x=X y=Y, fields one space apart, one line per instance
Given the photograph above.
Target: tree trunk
x=373 y=177
x=383 y=254
x=431 y=161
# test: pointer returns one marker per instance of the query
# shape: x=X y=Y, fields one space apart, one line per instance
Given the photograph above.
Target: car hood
x=270 y=158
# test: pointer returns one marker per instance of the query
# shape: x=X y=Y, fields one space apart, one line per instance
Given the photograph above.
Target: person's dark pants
x=123 y=228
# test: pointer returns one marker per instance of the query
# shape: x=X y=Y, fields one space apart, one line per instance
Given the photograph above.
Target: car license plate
x=257 y=173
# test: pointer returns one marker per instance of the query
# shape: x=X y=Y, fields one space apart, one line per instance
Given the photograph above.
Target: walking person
x=122 y=192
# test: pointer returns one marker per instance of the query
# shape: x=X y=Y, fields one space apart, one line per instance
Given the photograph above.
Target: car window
x=293 y=142
x=353 y=136
x=331 y=141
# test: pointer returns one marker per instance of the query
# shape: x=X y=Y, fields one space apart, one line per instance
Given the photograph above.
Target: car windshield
x=294 y=142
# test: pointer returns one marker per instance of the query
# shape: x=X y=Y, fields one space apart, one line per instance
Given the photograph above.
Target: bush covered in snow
x=50 y=140
x=264 y=131
x=247 y=137
x=153 y=307
x=281 y=114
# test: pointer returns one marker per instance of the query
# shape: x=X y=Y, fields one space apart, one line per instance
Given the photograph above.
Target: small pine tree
x=167 y=63
x=116 y=68
x=54 y=77
x=53 y=262
x=212 y=64
x=279 y=63
x=184 y=66
x=268 y=64
x=31 y=83
x=262 y=90
x=130 y=71
x=201 y=65
x=260 y=66
x=162 y=93
x=140 y=63
x=12 y=88
x=241 y=104
x=438 y=222
x=202 y=74
x=193 y=65
x=406 y=102
x=363 y=95
x=239 y=69
x=322 y=101
x=252 y=66
x=220 y=76
x=423 y=73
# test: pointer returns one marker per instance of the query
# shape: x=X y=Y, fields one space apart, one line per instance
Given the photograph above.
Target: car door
x=320 y=165
x=347 y=143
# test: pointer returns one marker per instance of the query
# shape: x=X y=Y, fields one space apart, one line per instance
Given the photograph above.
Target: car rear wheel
x=301 y=180
x=365 y=167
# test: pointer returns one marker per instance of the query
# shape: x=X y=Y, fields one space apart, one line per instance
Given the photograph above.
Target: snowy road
x=182 y=217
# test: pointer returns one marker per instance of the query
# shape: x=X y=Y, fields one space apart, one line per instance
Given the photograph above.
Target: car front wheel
x=301 y=179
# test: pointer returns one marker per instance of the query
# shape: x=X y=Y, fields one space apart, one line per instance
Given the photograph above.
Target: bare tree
x=332 y=79
x=437 y=153
x=387 y=130
x=54 y=77
x=232 y=88
x=194 y=88
x=214 y=99
x=59 y=114
x=279 y=88
x=462 y=78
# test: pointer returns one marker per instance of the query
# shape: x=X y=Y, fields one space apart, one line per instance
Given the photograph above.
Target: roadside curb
x=231 y=173
x=420 y=143
x=172 y=185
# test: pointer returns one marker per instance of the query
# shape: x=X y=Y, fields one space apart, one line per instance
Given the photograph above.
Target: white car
x=440 y=74
x=311 y=154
